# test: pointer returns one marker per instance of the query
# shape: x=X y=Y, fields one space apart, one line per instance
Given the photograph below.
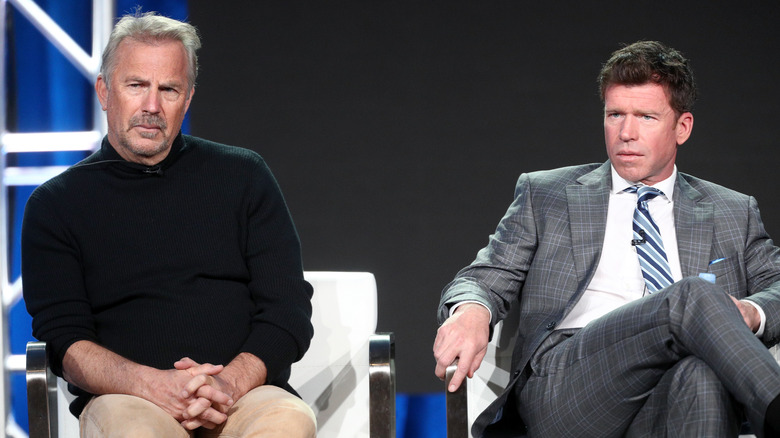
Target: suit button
x=551 y=325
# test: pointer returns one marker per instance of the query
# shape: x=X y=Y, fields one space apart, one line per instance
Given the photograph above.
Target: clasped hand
x=207 y=396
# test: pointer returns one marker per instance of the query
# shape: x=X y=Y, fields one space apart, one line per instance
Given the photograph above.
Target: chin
x=630 y=175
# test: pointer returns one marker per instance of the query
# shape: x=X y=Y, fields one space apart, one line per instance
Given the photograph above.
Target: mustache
x=149 y=119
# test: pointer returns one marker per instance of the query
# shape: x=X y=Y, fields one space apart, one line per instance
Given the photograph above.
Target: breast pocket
x=730 y=274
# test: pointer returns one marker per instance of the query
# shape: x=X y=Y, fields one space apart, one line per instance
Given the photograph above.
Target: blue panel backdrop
x=46 y=93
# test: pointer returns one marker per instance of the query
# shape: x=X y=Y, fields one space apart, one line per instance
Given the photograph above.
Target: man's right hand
x=463 y=336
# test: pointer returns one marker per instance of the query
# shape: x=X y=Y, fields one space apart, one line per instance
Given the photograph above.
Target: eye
x=170 y=93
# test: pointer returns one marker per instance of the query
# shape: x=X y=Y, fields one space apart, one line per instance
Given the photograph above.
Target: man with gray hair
x=164 y=270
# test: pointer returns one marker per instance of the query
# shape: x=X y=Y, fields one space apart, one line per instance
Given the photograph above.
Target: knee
x=699 y=292
x=118 y=415
x=691 y=376
x=273 y=412
x=296 y=413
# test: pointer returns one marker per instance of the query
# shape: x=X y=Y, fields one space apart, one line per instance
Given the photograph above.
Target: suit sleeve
x=762 y=261
x=497 y=275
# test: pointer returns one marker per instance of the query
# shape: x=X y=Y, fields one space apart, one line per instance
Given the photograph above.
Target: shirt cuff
x=455 y=306
x=761 y=314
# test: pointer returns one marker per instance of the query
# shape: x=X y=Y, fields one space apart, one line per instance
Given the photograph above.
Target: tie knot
x=644 y=193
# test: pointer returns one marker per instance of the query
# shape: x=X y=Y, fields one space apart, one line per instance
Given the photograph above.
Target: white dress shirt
x=618 y=279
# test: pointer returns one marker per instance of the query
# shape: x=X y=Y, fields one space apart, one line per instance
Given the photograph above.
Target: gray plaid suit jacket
x=545 y=250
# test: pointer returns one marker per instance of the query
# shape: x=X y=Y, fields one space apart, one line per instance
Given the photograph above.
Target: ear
x=684 y=127
x=189 y=100
x=101 y=88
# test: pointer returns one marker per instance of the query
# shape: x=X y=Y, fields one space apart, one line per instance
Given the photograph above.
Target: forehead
x=647 y=96
x=163 y=59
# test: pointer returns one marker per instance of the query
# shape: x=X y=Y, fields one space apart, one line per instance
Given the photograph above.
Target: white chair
x=347 y=376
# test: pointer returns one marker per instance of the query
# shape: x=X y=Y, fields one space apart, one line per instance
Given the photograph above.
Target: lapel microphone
x=635 y=242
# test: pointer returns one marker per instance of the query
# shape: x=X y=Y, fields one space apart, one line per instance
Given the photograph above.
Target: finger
x=195 y=368
x=195 y=423
x=192 y=424
x=476 y=362
x=212 y=416
x=207 y=369
x=442 y=362
x=184 y=363
x=208 y=425
x=196 y=408
x=193 y=385
x=458 y=376
x=215 y=395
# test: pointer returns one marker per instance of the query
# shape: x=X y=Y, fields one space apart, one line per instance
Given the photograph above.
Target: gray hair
x=151 y=28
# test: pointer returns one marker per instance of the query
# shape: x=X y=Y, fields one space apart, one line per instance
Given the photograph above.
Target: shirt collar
x=667 y=186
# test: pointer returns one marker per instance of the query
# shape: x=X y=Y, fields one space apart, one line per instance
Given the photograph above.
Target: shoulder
x=70 y=181
x=563 y=175
x=221 y=152
x=556 y=180
x=695 y=187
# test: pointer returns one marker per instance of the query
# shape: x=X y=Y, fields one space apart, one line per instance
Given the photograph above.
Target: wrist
x=244 y=373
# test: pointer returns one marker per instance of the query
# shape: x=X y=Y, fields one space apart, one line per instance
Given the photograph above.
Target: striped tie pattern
x=648 y=243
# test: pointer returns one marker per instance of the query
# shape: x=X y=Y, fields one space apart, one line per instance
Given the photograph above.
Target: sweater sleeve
x=54 y=290
x=281 y=325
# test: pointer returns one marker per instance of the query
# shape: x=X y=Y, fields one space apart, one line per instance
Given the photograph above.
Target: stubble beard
x=146 y=151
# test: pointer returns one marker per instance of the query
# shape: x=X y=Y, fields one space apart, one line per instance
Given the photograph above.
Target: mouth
x=628 y=157
x=148 y=127
x=148 y=123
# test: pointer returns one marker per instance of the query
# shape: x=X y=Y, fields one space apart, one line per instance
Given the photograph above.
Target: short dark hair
x=651 y=61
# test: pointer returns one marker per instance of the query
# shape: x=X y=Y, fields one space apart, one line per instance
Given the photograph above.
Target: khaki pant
x=266 y=411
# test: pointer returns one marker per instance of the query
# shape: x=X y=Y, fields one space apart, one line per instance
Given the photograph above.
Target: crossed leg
x=595 y=381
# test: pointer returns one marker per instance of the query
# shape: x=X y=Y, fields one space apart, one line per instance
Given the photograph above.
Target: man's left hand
x=749 y=314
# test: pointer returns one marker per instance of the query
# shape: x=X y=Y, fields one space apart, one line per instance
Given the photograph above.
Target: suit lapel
x=588 y=200
x=694 y=224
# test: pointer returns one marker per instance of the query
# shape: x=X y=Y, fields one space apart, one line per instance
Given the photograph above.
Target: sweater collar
x=109 y=153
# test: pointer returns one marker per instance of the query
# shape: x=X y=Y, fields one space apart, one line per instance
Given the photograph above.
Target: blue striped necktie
x=648 y=243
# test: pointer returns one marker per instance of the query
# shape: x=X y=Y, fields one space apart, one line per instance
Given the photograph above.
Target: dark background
x=397 y=129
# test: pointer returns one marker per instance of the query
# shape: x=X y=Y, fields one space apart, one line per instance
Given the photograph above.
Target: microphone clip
x=641 y=240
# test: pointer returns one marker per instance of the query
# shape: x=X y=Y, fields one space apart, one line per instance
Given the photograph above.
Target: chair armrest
x=41 y=392
x=457 y=406
x=381 y=382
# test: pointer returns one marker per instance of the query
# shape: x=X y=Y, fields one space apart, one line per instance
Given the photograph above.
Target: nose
x=628 y=129
x=151 y=102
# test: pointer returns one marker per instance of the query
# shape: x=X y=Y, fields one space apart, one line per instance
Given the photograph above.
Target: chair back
x=333 y=376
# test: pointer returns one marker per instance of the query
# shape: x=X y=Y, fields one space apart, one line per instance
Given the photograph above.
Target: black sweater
x=197 y=257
